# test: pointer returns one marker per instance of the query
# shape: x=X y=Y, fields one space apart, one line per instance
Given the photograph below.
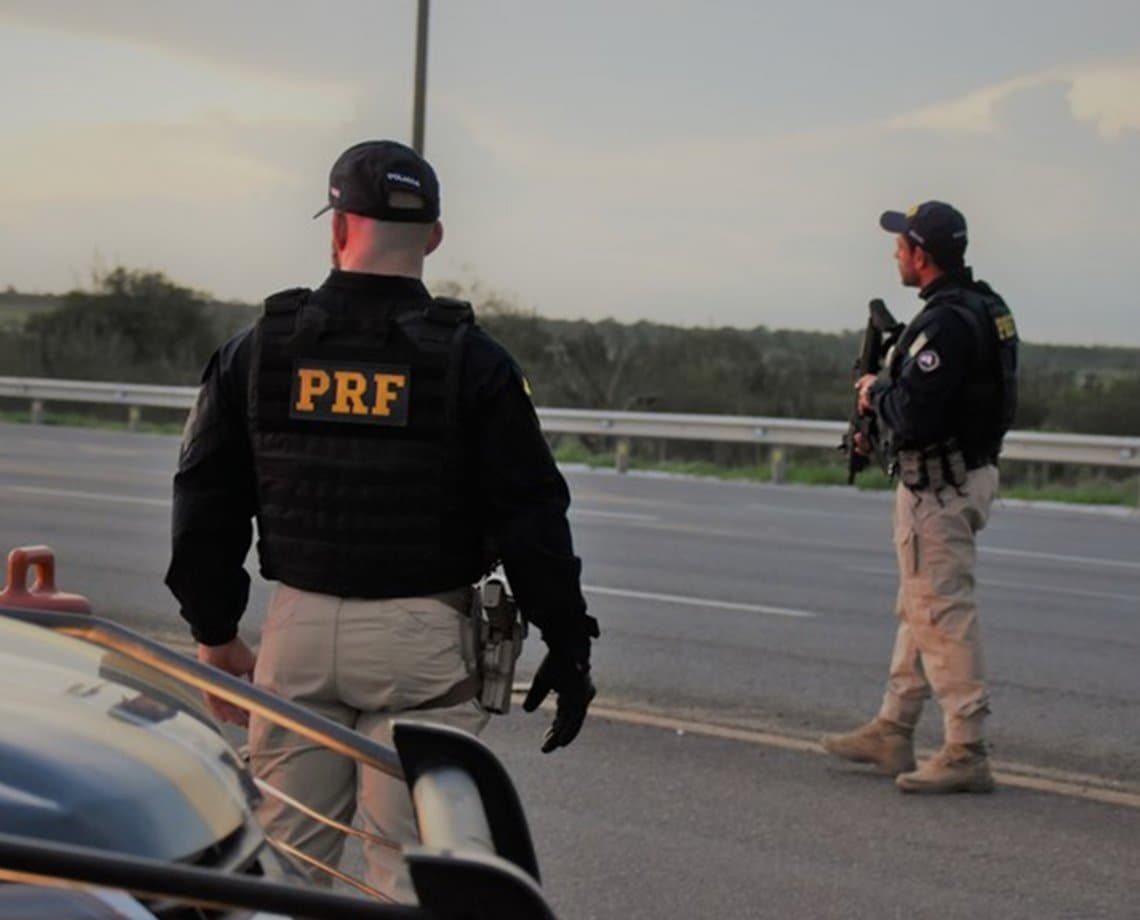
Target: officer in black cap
x=946 y=399
x=389 y=451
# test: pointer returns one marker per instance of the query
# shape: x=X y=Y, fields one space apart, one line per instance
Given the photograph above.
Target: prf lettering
x=354 y=393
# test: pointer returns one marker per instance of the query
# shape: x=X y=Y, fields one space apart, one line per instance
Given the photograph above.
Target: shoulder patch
x=918 y=344
x=928 y=360
x=1006 y=327
x=519 y=377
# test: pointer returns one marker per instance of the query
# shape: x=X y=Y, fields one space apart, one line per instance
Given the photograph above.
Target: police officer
x=389 y=451
x=945 y=400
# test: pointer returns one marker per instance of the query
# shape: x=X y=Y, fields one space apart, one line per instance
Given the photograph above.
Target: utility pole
x=421 y=76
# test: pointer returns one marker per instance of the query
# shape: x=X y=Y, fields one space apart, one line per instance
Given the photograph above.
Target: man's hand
x=863 y=387
x=236 y=658
x=571 y=681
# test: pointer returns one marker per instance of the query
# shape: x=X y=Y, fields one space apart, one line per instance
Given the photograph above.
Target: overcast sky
x=695 y=163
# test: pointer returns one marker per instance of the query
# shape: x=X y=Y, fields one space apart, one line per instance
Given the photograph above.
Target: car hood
x=100 y=751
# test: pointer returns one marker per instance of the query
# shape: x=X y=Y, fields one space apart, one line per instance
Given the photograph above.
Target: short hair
x=947 y=260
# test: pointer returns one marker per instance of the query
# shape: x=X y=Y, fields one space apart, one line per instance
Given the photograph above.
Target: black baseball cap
x=937 y=227
x=364 y=177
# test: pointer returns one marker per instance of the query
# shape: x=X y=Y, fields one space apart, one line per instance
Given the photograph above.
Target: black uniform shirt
x=523 y=498
x=918 y=395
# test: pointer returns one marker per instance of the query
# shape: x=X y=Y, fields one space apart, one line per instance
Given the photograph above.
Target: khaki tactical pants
x=359 y=663
x=938 y=644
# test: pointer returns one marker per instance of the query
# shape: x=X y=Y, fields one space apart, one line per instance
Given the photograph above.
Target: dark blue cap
x=937 y=227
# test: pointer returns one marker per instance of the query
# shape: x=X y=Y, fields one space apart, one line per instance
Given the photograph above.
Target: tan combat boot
x=887 y=745
x=955 y=768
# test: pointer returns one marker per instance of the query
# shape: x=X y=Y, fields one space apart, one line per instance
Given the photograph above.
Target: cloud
x=1104 y=94
x=974 y=113
x=1109 y=97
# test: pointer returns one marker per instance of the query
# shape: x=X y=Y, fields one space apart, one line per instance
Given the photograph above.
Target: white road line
x=1058 y=557
x=620 y=515
x=987 y=582
x=817 y=512
x=701 y=602
x=90 y=496
x=103 y=450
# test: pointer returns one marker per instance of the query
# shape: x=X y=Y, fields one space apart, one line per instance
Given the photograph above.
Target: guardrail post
x=779 y=464
x=621 y=455
x=134 y=414
x=37 y=414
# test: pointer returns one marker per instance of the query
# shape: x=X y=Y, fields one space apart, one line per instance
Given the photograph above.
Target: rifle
x=882 y=331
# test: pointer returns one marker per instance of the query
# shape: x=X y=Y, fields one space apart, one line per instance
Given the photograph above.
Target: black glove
x=570 y=679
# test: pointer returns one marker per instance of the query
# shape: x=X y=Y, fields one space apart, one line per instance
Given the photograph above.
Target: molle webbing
x=352 y=508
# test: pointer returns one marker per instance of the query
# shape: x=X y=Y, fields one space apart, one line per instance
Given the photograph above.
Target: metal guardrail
x=1037 y=447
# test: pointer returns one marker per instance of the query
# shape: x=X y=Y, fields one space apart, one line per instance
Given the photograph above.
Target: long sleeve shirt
x=522 y=495
x=918 y=394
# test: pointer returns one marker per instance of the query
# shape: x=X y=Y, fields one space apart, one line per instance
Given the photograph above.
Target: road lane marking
x=105 y=450
x=763 y=533
x=1022 y=776
x=42 y=470
x=614 y=498
x=1058 y=557
x=701 y=602
x=618 y=515
x=89 y=496
x=817 y=512
x=1014 y=585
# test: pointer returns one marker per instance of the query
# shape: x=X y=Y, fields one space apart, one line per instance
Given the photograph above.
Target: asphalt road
x=767 y=607
x=639 y=823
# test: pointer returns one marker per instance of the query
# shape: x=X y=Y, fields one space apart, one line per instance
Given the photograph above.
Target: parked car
x=121 y=797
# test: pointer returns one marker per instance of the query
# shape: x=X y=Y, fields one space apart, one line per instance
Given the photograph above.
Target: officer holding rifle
x=389 y=451
x=945 y=399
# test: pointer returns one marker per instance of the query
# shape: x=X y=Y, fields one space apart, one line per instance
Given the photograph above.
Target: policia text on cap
x=389 y=451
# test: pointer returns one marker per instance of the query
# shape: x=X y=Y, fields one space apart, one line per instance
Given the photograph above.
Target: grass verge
x=1083 y=490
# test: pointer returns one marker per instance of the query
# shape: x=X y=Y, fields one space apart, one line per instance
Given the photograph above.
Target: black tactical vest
x=986 y=408
x=362 y=476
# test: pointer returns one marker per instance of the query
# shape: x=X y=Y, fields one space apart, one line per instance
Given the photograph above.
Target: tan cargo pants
x=359 y=663
x=938 y=644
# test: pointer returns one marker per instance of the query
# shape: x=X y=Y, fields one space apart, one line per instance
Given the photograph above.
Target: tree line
x=139 y=326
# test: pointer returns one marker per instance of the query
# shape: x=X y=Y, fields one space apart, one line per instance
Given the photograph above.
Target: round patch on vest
x=928 y=360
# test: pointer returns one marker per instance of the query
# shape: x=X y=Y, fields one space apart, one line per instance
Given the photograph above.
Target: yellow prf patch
x=912 y=210
x=369 y=394
x=526 y=387
x=1006 y=328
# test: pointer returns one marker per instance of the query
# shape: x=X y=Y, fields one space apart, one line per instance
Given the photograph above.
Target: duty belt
x=938 y=465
